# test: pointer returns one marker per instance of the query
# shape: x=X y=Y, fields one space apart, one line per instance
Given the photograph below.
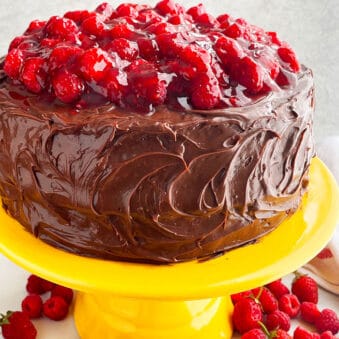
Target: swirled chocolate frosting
x=164 y=187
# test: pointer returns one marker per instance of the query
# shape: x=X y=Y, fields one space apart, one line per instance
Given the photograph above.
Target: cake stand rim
x=189 y=280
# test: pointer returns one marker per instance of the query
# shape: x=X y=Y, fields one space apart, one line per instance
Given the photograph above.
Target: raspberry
x=33 y=74
x=288 y=56
x=13 y=63
x=122 y=31
x=35 y=25
x=302 y=333
x=93 y=25
x=60 y=27
x=249 y=74
x=94 y=63
x=147 y=49
x=325 y=254
x=278 y=319
x=278 y=288
x=266 y=298
x=309 y=312
x=17 y=325
x=55 y=308
x=63 y=292
x=196 y=11
x=289 y=304
x=206 y=20
x=234 y=31
x=63 y=55
x=247 y=315
x=228 y=50
x=127 y=10
x=280 y=334
x=127 y=50
x=37 y=285
x=327 y=321
x=241 y=295
x=327 y=335
x=77 y=16
x=168 y=7
x=32 y=305
x=116 y=84
x=305 y=288
x=255 y=333
x=68 y=87
x=105 y=9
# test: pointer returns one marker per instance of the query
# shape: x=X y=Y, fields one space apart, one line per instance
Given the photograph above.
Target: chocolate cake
x=153 y=135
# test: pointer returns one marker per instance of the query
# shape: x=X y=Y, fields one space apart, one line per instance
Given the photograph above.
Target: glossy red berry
x=68 y=87
x=241 y=295
x=302 y=333
x=309 y=312
x=17 y=325
x=63 y=292
x=278 y=319
x=327 y=321
x=289 y=304
x=305 y=288
x=32 y=305
x=13 y=63
x=55 y=308
x=278 y=288
x=268 y=301
x=228 y=50
x=37 y=285
x=60 y=27
x=33 y=74
x=93 y=25
x=247 y=315
x=288 y=56
x=255 y=333
x=126 y=49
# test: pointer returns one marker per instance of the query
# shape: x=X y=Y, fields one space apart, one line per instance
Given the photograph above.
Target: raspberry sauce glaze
x=152 y=134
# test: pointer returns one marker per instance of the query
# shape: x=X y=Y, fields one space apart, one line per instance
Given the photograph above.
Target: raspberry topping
x=135 y=56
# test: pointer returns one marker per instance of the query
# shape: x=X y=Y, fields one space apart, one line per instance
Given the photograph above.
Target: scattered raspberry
x=289 y=304
x=327 y=321
x=266 y=298
x=278 y=319
x=17 y=325
x=309 y=312
x=63 y=292
x=224 y=62
x=325 y=254
x=302 y=333
x=55 y=308
x=305 y=288
x=278 y=288
x=247 y=315
x=241 y=295
x=32 y=305
x=255 y=333
x=37 y=285
x=280 y=334
x=327 y=335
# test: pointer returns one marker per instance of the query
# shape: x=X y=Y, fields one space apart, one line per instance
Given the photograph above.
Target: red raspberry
x=278 y=288
x=105 y=9
x=127 y=50
x=196 y=11
x=94 y=63
x=327 y=321
x=278 y=319
x=327 y=335
x=280 y=334
x=206 y=20
x=305 y=288
x=325 y=254
x=93 y=25
x=228 y=50
x=115 y=83
x=122 y=31
x=33 y=74
x=309 y=312
x=249 y=74
x=168 y=7
x=60 y=27
x=148 y=49
x=247 y=315
x=68 y=87
x=289 y=304
x=255 y=333
x=77 y=16
x=288 y=56
x=63 y=292
x=32 y=305
x=127 y=10
x=37 y=285
x=241 y=295
x=35 y=25
x=266 y=298
x=55 y=308
x=63 y=55
x=17 y=325
x=13 y=63
x=302 y=333
x=234 y=31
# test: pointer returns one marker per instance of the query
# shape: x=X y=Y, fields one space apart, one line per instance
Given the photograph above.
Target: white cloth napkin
x=324 y=268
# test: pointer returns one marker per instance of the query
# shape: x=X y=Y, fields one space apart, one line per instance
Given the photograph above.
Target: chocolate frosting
x=165 y=187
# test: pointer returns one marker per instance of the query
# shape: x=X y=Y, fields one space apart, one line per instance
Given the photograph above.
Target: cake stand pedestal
x=139 y=301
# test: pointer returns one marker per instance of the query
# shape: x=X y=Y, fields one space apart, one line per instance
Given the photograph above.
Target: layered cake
x=152 y=134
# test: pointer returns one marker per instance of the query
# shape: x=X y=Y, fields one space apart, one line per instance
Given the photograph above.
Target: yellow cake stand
x=140 y=301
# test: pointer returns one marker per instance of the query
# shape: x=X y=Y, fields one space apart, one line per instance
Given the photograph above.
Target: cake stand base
x=102 y=316
x=127 y=300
